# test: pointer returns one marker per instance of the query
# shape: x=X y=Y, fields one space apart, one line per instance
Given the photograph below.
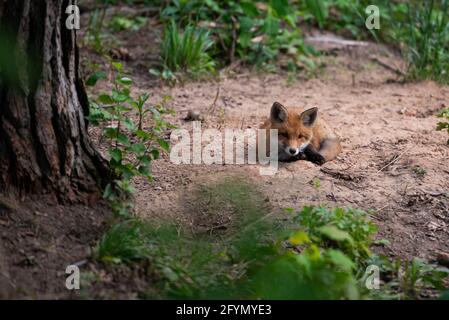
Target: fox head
x=295 y=130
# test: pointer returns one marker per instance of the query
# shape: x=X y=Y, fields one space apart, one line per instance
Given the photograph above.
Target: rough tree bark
x=44 y=145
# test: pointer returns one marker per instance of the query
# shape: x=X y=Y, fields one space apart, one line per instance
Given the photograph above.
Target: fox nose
x=292 y=150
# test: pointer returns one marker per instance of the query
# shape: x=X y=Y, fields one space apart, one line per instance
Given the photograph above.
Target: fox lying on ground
x=302 y=135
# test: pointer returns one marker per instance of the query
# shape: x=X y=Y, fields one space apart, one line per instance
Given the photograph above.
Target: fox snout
x=292 y=151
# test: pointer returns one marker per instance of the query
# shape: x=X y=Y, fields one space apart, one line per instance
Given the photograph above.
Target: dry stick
x=386 y=66
x=213 y=105
x=394 y=160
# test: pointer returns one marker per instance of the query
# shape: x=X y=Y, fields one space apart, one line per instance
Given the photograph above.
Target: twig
x=394 y=160
x=339 y=175
x=387 y=66
x=213 y=105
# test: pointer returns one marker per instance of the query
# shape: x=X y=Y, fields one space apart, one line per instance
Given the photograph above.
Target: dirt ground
x=393 y=161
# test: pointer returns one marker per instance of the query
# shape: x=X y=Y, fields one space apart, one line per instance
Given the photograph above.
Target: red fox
x=302 y=135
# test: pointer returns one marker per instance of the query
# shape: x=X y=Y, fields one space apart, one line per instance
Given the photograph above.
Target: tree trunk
x=44 y=145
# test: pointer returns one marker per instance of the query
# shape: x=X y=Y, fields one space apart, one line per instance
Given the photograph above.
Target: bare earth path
x=393 y=160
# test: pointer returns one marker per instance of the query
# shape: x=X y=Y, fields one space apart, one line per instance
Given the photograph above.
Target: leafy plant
x=132 y=147
x=444 y=125
x=257 y=33
x=261 y=258
x=186 y=51
x=348 y=229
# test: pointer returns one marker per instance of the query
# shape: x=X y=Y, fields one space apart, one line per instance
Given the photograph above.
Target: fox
x=302 y=135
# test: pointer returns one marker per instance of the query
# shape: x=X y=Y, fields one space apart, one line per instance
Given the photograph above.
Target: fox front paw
x=317 y=158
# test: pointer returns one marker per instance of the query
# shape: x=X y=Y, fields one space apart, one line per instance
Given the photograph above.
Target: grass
x=427 y=40
x=316 y=253
x=186 y=50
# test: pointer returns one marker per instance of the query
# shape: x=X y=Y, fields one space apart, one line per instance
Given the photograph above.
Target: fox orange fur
x=302 y=135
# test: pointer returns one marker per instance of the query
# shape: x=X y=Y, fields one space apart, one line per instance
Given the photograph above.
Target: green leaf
x=110 y=132
x=271 y=26
x=112 y=260
x=122 y=108
x=335 y=234
x=116 y=154
x=298 y=238
x=92 y=80
x=164 y=144
x=123 y=139
x=142 y=134
x=107 y=191
x=144 y=170
x=119 y=96
x=106 y=99
x=145 y=160
x=340 y=260
x=281 y=7
x=249 y=9
x=118 y=66
x=138 y=148
x=125 y=81
x=155 y=153
x=318 y=9
x=143 y=98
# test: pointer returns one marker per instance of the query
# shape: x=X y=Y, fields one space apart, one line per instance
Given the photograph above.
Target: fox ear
x=278 y=112
x=309 y=116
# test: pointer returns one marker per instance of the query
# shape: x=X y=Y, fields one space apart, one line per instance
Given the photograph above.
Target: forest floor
x=394 y=163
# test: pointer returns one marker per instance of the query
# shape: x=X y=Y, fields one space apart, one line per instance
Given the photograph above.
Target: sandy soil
x=393 y=161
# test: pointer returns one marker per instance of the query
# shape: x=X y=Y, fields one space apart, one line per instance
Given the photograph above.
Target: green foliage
x=318 y=8
x=132 y=147
x=346 y=229
x=444 y=125
x=427 y=40
x=318 y=254
x=418 y=28
x=119 y=23
x=257 y=33
x=125 y=242
x=186 y=51
x=406 y=279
